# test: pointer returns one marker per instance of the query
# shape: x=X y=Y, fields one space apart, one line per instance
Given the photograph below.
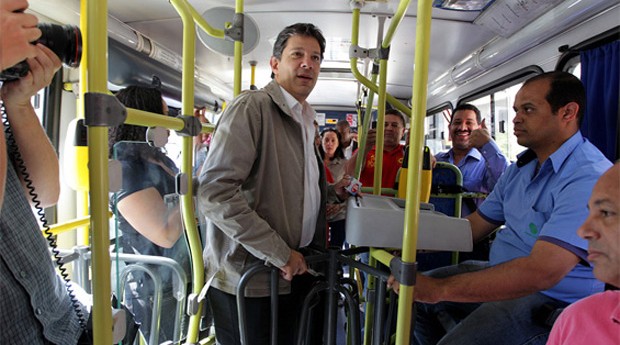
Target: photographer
x=36 y=307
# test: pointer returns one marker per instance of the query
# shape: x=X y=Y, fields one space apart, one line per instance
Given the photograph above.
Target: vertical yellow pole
x=376 y=190
x=253 y=72
x=238 y=54
x=412 y=212
x=396 y=20
x=361 y=78
x=94 y=72
x=187 y=202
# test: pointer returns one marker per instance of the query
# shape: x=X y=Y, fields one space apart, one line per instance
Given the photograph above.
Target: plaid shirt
x=34 y=304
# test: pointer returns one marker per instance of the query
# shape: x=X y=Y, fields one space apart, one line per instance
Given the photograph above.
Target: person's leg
x=506 y=322
x=226 y=319
x=433 y=320
x=290 y=307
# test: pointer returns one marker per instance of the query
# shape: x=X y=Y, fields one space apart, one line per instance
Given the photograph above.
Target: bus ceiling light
x=462 y=5
x=499 y=50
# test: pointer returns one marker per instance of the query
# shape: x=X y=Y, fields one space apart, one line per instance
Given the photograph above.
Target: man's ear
x=274 y=63
x=570 y=111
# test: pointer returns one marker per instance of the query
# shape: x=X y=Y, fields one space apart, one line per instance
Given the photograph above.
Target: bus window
x=38 y=102
x=436 y=129
x=575 y=70
x=496 y=109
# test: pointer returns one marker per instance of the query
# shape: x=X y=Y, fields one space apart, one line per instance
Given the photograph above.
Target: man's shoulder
x=253 y=104
x=443 y=156
x=253 y=96
x=586 y=161
x=593 y=303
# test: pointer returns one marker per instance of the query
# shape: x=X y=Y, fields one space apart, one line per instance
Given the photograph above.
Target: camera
x=64 y=40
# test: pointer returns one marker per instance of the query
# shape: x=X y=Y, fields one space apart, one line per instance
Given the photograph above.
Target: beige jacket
x=251 y=190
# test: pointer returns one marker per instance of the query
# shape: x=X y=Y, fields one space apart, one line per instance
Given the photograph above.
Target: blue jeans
x=511 y=322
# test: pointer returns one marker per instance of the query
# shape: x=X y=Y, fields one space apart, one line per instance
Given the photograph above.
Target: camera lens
x=65 y=41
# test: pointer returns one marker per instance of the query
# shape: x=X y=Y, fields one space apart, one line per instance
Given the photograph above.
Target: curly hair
x=141 y=98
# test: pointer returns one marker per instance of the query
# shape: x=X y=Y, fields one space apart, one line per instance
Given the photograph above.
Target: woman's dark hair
x=339 y=153
x=141 y=98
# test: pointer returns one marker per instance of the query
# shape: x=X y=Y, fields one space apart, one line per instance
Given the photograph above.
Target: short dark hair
x=467 y=106
x=343 y=123
x=394 y=111
x=563 y=89
x=303 y=29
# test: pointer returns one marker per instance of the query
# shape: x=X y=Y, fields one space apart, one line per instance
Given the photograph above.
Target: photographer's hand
x=43 y=66
x=18 y=30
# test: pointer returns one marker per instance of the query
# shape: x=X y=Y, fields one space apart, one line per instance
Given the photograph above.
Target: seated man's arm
x=480 y=228
x=546 y=265
x=496 y=164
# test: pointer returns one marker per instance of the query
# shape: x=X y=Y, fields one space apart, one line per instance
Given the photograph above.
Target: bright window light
x=462 y=5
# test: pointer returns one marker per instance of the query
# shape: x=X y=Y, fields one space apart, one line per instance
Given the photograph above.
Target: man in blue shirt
x=481 y=162
x=537 y=260
x=474 y=152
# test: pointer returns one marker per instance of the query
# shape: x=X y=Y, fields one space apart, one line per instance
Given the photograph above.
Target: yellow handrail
x=382 y=92
x=416 y=141
x=59 y=228
x=187 y=202
x=202 y=23
x=361 y=78
x=238 y=54
x=94 y=73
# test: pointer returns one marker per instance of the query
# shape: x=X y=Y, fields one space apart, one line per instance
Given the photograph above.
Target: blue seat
x=447 y=197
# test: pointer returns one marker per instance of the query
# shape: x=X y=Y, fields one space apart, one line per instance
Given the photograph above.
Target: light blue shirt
x=550 y=206
x=480 y=169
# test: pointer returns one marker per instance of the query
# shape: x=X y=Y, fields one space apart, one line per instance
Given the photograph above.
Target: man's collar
x=525 y=157
x=473 y=153
x=558 y=157
x=291 y=101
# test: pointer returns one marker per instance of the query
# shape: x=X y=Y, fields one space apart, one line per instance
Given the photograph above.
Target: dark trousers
x=258 y=316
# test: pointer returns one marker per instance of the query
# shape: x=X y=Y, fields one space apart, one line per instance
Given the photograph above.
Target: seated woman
x=147 y=211
x=334 y=162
